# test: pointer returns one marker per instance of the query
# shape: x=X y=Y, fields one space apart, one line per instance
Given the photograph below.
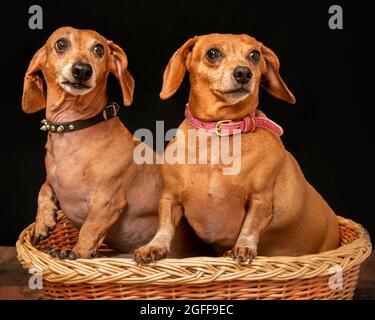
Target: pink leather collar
x=230 y=127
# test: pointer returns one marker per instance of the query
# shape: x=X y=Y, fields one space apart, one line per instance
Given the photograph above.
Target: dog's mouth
x=75 y=85
x=238 y=92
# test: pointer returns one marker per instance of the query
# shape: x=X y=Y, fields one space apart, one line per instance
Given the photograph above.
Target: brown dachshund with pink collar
x=268 y=207
x=91 y=174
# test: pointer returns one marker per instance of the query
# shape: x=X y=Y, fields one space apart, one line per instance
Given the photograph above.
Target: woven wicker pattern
x=305 y=277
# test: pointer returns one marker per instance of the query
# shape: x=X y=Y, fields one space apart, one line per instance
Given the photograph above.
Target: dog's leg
x=104 y=211
x=170 y=214
x=257 y=218
x=46 y=216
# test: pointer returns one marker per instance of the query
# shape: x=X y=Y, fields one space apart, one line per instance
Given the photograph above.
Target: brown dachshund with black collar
x=91 y=174
x=268 y=207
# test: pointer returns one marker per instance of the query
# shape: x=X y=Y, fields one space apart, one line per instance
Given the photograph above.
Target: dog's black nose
x=243 y=75
x=81 y=71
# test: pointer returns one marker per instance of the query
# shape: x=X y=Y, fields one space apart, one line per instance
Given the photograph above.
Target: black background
x=328 y=130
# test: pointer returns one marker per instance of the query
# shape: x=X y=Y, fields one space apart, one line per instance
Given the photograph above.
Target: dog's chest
x=67 y=169
x=67 y=172
x=216 y=193
x=214 y=205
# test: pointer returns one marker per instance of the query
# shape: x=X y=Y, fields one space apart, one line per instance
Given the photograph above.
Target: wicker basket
x=305 y=277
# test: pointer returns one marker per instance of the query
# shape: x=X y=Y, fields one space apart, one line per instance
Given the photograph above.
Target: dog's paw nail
x=160 y=253
x=137 y=258
x=54 y=252
x=251 y=257
x=48 y=231
x=70 y=255
x=145 y=260
x=159 y=256
x=228 y=254
x=62 y=255
x=36 y=239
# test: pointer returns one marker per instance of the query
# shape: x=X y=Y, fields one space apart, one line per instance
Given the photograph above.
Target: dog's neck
x=64 y=107
x=208 y=107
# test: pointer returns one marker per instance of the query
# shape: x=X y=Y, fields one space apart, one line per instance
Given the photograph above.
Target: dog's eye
x=98 y=50
x=61 y=45
x=214 y=54
x=255 y=56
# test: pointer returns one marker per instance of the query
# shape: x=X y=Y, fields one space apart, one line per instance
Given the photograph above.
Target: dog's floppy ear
x=117 y=66
x=271 y=79
x=33 y=98
x=175 y=71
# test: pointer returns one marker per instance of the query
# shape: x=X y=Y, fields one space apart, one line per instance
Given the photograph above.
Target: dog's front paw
x=150 y=253
x=71 y=254
x=242 y=254
x=62 y=253
x=44 y=225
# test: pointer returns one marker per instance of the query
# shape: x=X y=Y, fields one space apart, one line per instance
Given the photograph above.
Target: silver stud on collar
x=53 y=128
x=44 y=125
x=60 y=129
x=71 y=127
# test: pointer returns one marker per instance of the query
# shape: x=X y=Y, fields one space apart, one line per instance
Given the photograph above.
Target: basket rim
x=195 y=270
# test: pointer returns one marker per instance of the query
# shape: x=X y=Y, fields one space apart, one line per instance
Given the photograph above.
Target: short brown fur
x=268 y=208
x=91 y=174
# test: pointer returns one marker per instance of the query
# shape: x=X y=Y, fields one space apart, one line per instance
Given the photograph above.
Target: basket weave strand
x=304 y=277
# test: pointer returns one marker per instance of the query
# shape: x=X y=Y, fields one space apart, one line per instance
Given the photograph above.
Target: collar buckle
x=218 y=127
x=110 y=111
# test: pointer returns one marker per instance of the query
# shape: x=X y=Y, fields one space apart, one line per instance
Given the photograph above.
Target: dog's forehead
x=233 y=40
x=76 y=35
